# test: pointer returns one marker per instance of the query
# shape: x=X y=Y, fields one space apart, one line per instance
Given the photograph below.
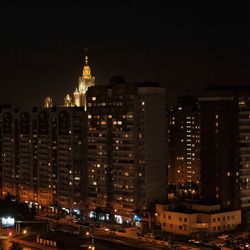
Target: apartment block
x=44 y=155
x=126 y=147
x=184 y=142
x=225 y=133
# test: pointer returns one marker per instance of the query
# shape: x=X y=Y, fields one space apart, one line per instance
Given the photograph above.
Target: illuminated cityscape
x=124 y=126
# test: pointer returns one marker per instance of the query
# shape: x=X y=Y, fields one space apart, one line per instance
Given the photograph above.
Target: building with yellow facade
x=78 y=98
x=85 y=81
x=200 y=218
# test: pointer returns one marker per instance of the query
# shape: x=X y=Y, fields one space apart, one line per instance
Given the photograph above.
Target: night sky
x=185 y=48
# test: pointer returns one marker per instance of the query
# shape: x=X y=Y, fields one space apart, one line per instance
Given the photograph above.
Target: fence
x=42 y=241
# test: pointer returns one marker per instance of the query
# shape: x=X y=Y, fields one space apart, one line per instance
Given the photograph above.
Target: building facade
x=184 y=142
x=44 y=155
x=85 y=81
x=225 y=147
x=126 y=147
x=201 y=219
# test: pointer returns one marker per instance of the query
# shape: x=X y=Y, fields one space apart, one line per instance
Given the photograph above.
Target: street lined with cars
x=109 y=231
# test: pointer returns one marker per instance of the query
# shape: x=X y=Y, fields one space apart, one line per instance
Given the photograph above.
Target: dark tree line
x=11 y=206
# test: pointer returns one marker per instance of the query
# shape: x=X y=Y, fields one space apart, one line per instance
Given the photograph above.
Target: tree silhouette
x=15 y=246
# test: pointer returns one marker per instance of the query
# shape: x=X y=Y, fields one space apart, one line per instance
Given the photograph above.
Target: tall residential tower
x=126 y=147
x=44 y=155
x=184 y=142
x=225 y=147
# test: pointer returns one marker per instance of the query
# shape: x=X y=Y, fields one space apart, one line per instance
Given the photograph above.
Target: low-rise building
x=200 y=218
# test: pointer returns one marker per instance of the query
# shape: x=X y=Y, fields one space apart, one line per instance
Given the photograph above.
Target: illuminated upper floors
x=183 y=173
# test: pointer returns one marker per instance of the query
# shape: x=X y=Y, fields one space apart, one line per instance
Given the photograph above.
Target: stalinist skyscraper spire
x=85 y=81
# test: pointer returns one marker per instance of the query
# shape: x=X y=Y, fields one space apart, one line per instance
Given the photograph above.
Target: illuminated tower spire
x=86 y=59
x=85 y=81
x=86 y=69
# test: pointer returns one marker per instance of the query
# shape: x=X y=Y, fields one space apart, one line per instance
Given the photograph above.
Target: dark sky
x=185 y=48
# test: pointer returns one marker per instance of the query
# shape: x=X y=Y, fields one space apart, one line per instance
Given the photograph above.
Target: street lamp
x=92 y=246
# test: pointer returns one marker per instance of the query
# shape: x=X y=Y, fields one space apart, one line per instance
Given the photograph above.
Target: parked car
x=121 y=230
x=149 y=236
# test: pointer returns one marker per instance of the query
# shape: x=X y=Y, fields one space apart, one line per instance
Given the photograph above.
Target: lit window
x=93 y=98
x=143 y=103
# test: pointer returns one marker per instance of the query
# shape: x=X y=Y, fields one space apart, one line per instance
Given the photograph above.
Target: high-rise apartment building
x=126 y=147
x=225 y=147
x=184 y=142
x=44 y=155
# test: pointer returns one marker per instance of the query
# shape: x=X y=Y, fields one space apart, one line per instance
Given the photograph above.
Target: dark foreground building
x=225 y=148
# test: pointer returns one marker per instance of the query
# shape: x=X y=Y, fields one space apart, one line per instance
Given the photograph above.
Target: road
x=127 y=240
x=105 y=245
x=100 y=244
